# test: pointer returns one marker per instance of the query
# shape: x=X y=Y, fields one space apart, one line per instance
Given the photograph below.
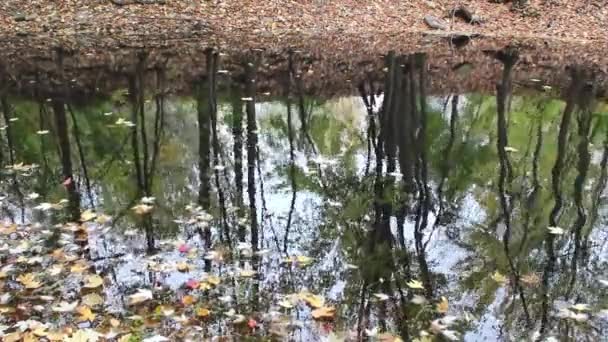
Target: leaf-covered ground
x=284 y=22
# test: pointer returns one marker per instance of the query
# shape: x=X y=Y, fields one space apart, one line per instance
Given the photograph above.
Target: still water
x=258 y=197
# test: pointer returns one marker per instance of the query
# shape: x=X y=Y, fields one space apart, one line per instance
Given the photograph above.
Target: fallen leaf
x=499 y=278
x=93 y=281
x=182 y=267
x=246 y=273
x=85 y=314
x=381 y=296
x=312 y=300
x=530 y=279
x=324 y=312
x=29 y=281
x=580 y=307
x=442 y=306
x=203 y=312
x=142 y=209
x=140 y=296
x=188 y=300
x=92 y=299
x=65 y=307
x=415 y=284
x=556 y=230
x=155 y=338
x=87 y=215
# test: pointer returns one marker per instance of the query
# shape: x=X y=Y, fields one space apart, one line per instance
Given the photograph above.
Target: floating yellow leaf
x=442 y=306
x=499 y=278
x=203 y=312
x=312 y=300
x=246 y=273
x=85 y=314
x=87 y=215
x=287 y=304
x=303 y=260
x=205 y=286
x=213 y=280
x=325 y=312
x=183 y=267
x=142 y=209
x=188 y=300
x=415 y=284
x=29 y=281
x=93 y=281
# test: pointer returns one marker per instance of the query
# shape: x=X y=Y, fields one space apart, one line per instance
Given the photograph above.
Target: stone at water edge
x=465 y=14
x=435 y=22
x=20 y=17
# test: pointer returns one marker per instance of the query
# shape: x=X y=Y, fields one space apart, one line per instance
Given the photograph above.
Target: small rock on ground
x=434 y=22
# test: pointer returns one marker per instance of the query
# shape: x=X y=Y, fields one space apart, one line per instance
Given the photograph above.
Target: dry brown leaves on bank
x=348 y=24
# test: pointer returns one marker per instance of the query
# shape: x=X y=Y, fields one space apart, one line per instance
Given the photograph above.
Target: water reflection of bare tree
x=10 y=144
x=144 y=163
x=212 y=67
x=237 y=134
x=63 y=138
x=204 y=159
x=503 y=94
x=252 y=142
x=290 y=135
x=584 y=99
x=556 y=186
x=401 y=137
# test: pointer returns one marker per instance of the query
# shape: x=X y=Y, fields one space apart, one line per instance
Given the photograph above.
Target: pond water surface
x=411 y=197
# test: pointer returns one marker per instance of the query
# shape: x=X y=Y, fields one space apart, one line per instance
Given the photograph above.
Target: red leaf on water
x=192 y=284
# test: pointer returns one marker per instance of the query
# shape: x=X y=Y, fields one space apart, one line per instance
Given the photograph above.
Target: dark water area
x=413 y=197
